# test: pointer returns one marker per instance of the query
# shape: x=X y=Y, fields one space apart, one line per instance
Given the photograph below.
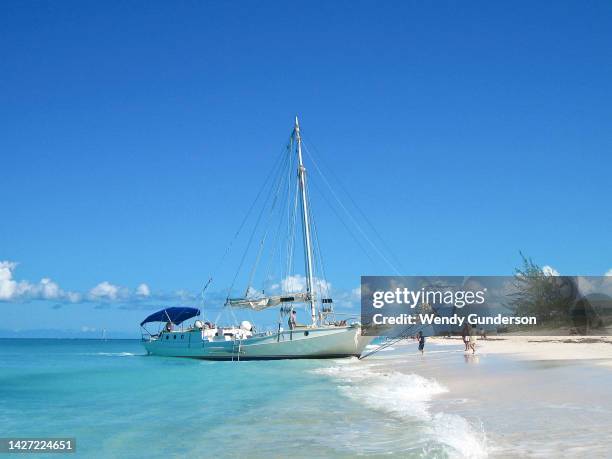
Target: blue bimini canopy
x=175 y=315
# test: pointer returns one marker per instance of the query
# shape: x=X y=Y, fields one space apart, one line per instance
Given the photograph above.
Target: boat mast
x=305 y=224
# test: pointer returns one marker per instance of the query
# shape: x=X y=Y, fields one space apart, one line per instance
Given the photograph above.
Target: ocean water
x=118 y=402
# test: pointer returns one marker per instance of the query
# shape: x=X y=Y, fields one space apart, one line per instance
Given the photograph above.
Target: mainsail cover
x=259 y=303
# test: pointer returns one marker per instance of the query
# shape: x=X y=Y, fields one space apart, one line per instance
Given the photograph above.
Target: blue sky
x=132 y=133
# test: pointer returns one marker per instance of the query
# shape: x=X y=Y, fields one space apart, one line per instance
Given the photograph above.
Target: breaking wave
x=116 y=354
x=407 y=396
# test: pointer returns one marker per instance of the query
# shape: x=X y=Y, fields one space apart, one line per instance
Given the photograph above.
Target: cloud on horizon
x=106 y=293
x=297 y=283
x=45 y=289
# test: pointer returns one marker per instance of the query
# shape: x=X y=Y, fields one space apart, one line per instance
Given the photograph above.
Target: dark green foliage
x=547 y=297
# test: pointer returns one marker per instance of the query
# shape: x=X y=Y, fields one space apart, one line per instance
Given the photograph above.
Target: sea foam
x=407 y=396
x=117 y=354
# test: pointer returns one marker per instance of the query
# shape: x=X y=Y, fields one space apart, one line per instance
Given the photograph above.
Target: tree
x=547 y=297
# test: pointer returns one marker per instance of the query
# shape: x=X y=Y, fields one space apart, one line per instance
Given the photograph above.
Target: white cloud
x=608 y=272
x=348 y=299
x=49 y=289
x=183 y=295
x=74 y=297
x=253 y=293
x=105 y=291
x=143 y=290
x=550 y=271
x=108 y=293
x=297 y=283
x=345 y=299
x=12 y=290
x=45 y=289
x=8 y=286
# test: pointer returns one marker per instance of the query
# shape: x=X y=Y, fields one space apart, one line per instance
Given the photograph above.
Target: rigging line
x=405 y=334
x=294 y=270
x=242 y=223
x=350 y=216
x=285 y=242
x=283 y=232
x=291 y=233
x=325 y=285
x=292 y=187
x=383 y=257
x=318 y=248
x=318 y=253
x=284 y=269
x=304 y=245
x=265 y=236
x=363 y=214
x=203 y=290
x=276 y=241
x=251 y=237
x=289 y=269
x=348 y=229
x=224 y=309
x=316 y=280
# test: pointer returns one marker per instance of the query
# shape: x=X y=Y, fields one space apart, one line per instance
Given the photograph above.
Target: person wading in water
x=473 y=339
x=465 y=336
x=421 y=339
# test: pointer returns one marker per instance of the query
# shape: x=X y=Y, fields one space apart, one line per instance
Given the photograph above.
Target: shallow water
x=560 y=408
x=118 y=402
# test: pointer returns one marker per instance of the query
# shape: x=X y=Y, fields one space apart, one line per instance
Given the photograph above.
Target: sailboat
x=320 y=338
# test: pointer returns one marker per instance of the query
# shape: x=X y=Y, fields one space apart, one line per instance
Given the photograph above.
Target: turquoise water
x=118 y=402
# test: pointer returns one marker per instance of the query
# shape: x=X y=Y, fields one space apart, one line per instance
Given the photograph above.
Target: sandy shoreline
x=519 y=396
x=541 y=347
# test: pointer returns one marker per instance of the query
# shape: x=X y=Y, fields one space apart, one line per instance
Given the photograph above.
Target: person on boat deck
x=169 y=326
x=292 y=320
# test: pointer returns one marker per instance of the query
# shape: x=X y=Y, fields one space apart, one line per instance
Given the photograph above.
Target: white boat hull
x=319 y=342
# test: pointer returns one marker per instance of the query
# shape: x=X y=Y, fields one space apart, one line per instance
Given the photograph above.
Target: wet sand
x=525 y=396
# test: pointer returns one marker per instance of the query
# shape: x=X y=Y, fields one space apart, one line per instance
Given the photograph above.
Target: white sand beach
x=541 y=347
x=518 y=396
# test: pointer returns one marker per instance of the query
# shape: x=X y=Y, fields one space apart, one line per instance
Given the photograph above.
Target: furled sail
x=259 y=303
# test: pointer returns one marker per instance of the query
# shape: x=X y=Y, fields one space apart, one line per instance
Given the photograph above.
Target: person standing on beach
x=421 y=339
x=465 y=336
x=473 y=339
